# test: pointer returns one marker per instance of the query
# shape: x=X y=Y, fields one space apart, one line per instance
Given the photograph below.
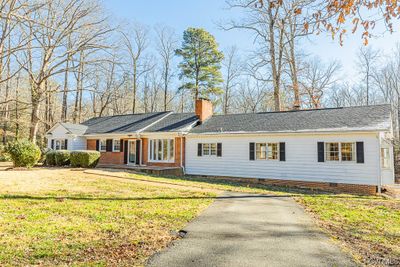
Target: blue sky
x=181 y=14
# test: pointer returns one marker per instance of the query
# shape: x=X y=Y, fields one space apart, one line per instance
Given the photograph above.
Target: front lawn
x=367 y=226
x=63 y=217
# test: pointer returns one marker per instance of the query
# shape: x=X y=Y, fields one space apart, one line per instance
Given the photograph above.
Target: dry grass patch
x=57 y=217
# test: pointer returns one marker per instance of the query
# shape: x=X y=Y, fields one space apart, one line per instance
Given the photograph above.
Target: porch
x=155 y=170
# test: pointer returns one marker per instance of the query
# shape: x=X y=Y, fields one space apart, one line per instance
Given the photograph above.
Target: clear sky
x=181 y=14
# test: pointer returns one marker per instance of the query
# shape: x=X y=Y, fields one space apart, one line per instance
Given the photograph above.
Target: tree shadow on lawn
x=61 y=198
x=291 y=191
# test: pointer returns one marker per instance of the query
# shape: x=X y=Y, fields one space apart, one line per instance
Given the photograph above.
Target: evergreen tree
x=201 y=63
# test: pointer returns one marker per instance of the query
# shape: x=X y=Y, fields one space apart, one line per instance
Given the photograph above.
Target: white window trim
x=168 y=151
x=389 y=166
x=61 y=140
x=119 y=150
x=209 y=155
x=340 y=154
x=266 y=151
x=100 y=140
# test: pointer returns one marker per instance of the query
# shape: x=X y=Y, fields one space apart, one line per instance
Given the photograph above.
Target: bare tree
x=367 y=59
x=233 y=68
x=317 y=78
x=135 y=43
x=166 y=46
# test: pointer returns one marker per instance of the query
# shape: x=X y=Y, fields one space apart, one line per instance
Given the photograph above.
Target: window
x=116 y=145
x=261 y=151
x=59 y=144
x=385 y=157
x=161 y=150
x=103 y=145
x=273 y=151
x=209 y=149
x=332 y=151
x=340 y=151
x=348 y=151
x=268 y=151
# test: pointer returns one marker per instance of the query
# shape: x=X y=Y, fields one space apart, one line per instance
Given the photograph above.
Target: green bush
x=4 y=156
x=23 y=153
x=84 y=158
x=62 y=157
x=50 y=158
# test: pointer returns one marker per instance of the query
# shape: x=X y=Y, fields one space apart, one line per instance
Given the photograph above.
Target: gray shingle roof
x=173 y=123
x=122 y=123
x=376 y=117
x=77 y=129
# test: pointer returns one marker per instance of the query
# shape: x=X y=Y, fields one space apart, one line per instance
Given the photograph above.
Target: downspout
x=181 y=163
x=379 y=164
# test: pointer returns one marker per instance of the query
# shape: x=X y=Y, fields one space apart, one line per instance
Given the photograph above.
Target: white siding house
x=301 y=158
x=66 y=136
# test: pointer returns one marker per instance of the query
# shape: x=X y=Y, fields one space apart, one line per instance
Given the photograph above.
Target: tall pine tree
x=201 y=63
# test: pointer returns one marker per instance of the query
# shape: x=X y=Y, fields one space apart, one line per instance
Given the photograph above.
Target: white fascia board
x=289 y=132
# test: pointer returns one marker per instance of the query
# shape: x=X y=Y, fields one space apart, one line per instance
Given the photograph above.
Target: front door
x=132 y=152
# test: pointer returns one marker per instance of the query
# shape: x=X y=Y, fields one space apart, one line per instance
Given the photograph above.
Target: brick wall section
x=106 y=157
x=203 y=109
x=177 y=156
x=329 y=187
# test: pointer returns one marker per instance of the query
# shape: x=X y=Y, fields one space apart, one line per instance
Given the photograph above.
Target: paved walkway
x=252 y=230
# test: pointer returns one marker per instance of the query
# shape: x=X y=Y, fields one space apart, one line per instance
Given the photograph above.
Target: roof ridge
x=301 y=110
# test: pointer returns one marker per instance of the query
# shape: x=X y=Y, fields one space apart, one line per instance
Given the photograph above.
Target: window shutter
x=126 y=152
x=321 y=152
x=282 y=152
x=251 y=151
x=121 y=145
x=199 y=149
x=219 y=149
x=66 y=144
x=98 y=145
x=137 y=152
x=360 y=152
x=52 y=143
x=109 y=143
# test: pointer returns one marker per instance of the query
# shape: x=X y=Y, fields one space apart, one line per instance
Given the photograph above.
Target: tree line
x=65 y=60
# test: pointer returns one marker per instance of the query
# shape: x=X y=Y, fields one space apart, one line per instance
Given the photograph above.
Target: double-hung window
x=161 y=150
x=335 y=151
x=103 y=145
x=59 y=144
x=116 y=145
x=385 y=157
x=268 y=151
x=209 y=149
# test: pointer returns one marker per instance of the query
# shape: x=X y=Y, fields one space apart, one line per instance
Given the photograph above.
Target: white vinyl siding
x=301 y=158
x=74 y=142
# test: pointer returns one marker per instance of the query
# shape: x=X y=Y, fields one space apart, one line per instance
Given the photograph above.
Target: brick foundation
x=329 y=187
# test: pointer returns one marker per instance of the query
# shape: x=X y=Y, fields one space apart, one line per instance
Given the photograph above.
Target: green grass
x=74 y=219
x=368 y=226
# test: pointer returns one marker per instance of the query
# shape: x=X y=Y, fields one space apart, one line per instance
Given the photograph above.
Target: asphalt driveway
x=252 y=230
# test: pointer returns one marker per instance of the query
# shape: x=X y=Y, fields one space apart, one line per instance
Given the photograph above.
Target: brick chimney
x=204 y=109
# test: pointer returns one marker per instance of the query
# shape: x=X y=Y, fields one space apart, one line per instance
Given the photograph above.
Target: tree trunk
x=65 y=93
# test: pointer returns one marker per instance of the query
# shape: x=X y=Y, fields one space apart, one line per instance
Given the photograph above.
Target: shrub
x=4 y=156
x=23 y=153
x=84 y=158
x=62 y=157
x=50 y=158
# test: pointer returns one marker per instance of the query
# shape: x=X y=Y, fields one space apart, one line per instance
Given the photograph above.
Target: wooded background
x=64 y=60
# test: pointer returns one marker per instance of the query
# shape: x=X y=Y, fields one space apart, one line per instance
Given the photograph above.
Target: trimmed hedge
x=23 y=153
x=62 y=157
x=84 y=158
x=51 y=158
